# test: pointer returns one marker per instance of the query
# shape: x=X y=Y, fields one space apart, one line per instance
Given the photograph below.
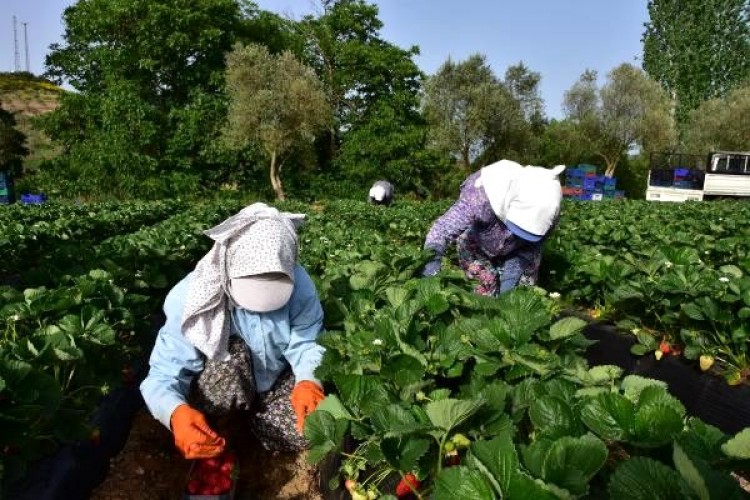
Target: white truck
x=681 y=177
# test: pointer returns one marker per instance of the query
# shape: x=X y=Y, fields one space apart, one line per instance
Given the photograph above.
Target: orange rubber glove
x=305 y=398
x=192 y=434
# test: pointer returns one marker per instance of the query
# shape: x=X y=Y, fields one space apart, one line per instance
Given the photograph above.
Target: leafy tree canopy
x=12 y=144
x=720 y=124
x=629 y=111
x=275 y=101
x=360 y=71
x=697 y=49
x=472 y=114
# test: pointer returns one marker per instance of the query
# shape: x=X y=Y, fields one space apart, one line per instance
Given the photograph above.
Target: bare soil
x=150 y=468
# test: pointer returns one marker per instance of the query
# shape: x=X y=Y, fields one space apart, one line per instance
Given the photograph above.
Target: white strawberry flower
x=377 y=342
x=554 y=295
x=724 y=279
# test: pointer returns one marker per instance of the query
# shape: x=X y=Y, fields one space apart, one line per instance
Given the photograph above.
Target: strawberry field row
x=676 y=275
x=53 y=236
x=424 y=347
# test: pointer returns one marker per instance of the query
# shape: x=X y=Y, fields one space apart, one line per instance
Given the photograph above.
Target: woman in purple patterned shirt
x=503 y=214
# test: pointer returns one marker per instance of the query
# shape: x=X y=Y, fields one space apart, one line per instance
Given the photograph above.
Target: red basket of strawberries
x=213 y=478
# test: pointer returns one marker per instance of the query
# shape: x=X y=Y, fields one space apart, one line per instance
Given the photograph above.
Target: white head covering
x=528 y=197
x=257 y=240
x=378 y=192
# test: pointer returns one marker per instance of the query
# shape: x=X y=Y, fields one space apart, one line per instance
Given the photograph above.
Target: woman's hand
x=305 y=398
x=192 y=434
x=432 y=268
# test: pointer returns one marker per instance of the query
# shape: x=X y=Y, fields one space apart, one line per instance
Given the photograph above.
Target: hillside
x=27 y=96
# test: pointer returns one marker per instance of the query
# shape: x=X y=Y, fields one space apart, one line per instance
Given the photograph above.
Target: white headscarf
x=205 y=319
x=529 y=197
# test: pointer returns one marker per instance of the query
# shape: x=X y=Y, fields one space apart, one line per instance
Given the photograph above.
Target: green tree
x=275 y=101
x=112 y=151
x=720 y=124
x=269 y=29
x=697 y=49
x=360 y=71
x=564 y=142
x=12 y=144
x=582 y=99
x=472 y=115
x=524 y=86
x=390 y=144
x=145 y=71
x=630 y=111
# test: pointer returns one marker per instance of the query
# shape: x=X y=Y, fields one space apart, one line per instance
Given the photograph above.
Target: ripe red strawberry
x=403 y=489
x=452 y=460
x=212 y=463
x=224 y=485
x=350 y=484
x=194 y=486
x=664 y=347
x=128 y=376
x=95 y=437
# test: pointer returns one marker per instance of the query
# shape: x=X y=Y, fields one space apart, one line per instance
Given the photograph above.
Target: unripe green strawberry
x=358 y=495
x=461 y=441
x=658 y=354
x=734 y=378
x=706 y=362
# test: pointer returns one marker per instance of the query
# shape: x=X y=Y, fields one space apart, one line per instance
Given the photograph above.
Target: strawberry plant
x=471 y=396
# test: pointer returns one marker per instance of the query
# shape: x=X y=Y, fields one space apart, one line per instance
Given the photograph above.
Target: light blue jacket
x=277 y=339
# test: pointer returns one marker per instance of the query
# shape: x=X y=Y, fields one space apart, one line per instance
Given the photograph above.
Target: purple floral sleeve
x=459 y=217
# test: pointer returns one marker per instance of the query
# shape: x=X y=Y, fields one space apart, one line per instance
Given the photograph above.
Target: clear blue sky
x=558 y=38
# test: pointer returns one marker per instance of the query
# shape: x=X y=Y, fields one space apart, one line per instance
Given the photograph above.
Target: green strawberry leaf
x=402 y=453
x=738 y=446
x=566 y=327
x=462 y=483
x=449 y=413
x=497 y=460
x=643 y=478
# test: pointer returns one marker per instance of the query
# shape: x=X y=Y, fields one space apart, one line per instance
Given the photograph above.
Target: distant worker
x=381 y=193
x=503 y=214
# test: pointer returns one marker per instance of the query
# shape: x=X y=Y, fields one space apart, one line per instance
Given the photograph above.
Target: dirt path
x=149 y=468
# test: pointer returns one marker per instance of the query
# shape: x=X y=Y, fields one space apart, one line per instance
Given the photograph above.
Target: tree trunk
x=335 y=103
x=276 y=179
x=611 y=166
x=465 y=158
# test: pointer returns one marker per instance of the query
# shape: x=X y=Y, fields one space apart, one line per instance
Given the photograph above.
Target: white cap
x=536 y=203
x=260 y=266
x=377 y=192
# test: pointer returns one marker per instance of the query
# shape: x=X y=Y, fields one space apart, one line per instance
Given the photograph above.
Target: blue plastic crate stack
x=583 y=183
x=6 y=189
x=678 y=177
x=33 y=199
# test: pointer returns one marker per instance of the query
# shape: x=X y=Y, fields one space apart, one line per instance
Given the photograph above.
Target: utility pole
x=17 y=59
x=26 y=45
